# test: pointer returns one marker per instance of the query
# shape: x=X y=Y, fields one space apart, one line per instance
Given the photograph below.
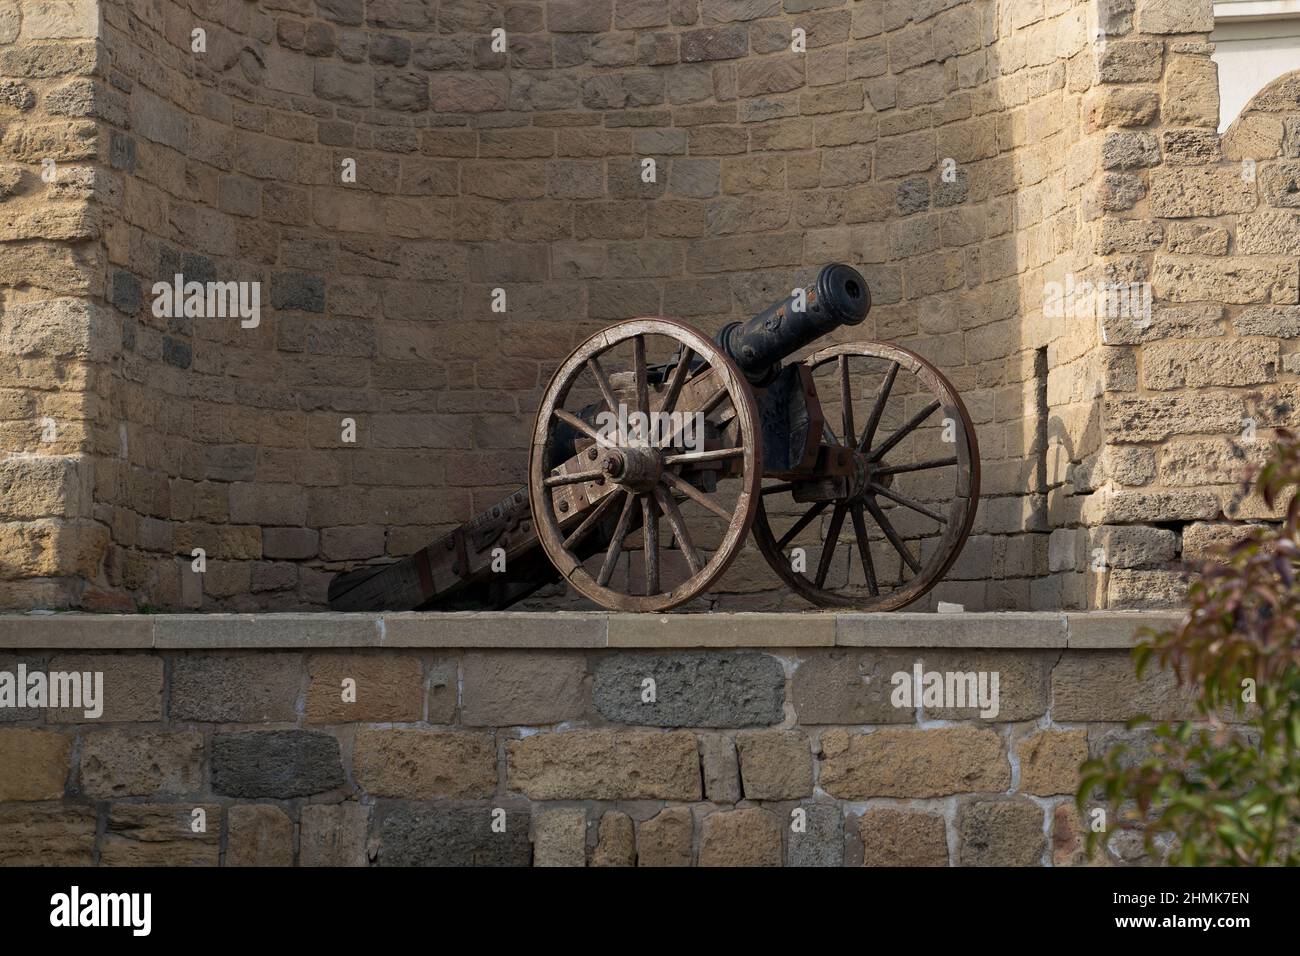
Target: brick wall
x=558 y=747
x=478 y=170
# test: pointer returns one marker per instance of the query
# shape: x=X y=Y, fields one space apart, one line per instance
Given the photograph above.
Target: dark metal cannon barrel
x=838 y=296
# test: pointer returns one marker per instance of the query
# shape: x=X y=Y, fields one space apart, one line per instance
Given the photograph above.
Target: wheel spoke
x=602 y=380
x=675 y=384
x=571 y=419
x=864 y=548
x=650 y=539
x=879 y=517
x=714 y=400
x=642 y=385
x=907 y=502
x=678 y=524
x=802 y=523
x=692 y=457
x=573 y=478
x=916 y=466
x=878 y=453
x=846 y=399
x=699 y=497
x=616 y=543
x=878 y=409
x=832 y=538
x=592 y=519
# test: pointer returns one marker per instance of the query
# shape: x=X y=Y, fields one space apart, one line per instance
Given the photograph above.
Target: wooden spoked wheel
x=883 y=536
x=645 y=465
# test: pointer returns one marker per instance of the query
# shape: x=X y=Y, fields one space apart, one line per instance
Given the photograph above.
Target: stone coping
x=576 y=629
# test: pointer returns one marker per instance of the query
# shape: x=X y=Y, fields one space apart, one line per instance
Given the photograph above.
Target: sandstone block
x=1191 y=92
x=502 y=689
x=47 y=835
x=1231 y=279
x=616 y=842
x=903 y=838
x=1175 y=16
x=750 y=837
x=333 y=834
x=1200 y=191
x=1000 y=833
x=130 y=763
x=1103 y=686
x=1126 y=546
x=161 y=835
x=378 y=688
x=775 y=764
x=1169 y=365
x=258 y=835
x=35 y=762
x=1269 y=232
x=714 y=43
x=133 y=685
x=1050 y=760
x=721 y=768
x=1197 y=462
x=560 y=837
x=912 y=763
x=423 y=764
x=601 y=765
x=666 y=839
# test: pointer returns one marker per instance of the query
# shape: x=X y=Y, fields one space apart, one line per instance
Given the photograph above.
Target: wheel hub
x=636 y=467
x=865 y=474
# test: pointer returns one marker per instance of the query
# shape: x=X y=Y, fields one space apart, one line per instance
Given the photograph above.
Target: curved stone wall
x=963 y=154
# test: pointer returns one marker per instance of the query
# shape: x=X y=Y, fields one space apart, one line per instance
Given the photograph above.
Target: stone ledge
x=577 y=629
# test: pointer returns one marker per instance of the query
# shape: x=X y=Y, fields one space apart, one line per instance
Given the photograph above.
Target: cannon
x=657 y=449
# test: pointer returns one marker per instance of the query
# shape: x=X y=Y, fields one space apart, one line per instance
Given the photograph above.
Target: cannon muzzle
x=838 y=296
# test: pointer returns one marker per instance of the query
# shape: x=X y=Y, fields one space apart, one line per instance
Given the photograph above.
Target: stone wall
x=1192 y=391
x=743 y=755
x=478 y=170
x=962 y=153
x=55 y=336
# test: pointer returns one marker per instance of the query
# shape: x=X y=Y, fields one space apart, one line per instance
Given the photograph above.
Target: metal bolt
x=564 y=506
x=592 y=453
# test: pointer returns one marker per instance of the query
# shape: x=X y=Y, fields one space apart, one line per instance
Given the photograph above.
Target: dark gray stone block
x=737 y=689
x=275 y=763
x=453 y=836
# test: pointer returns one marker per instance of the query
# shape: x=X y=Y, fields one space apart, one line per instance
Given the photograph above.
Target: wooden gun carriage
x=657 y=449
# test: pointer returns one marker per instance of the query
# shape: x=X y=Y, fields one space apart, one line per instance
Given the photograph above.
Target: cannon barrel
x=838 y=296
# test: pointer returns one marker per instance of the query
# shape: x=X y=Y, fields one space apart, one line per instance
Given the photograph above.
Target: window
x=1256 y=41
